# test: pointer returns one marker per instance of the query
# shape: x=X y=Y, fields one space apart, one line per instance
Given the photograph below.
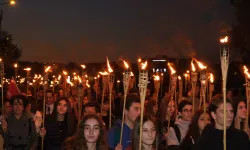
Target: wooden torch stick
x=126 y=80
x=45 y=82
x=247 y=78
x=224 y=56
x=143 y=81
x=2 y=76
x=111 y=83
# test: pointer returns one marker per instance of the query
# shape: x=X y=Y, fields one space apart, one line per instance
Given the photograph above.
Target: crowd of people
x=168 y=124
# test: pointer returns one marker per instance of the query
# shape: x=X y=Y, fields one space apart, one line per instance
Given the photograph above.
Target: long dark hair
x=193 y=130
x=69 y=117
x=236 y=123
x=136 y=132
x=80 y=141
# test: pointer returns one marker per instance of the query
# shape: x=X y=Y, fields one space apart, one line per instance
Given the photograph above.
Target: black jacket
x=212 y=139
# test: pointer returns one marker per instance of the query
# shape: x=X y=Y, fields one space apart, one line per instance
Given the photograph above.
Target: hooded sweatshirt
x=114 y=135
x=183 y=127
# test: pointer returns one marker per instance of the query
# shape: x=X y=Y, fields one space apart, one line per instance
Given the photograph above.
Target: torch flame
x=185 y=75
x=68 y=81
x=104 y=73
x=156 y=78
x=224 y=40
x=87 y=84
x=131 y=74
x=144 y=65
x=192 y=65
x=59 y=77
x=27 y=69
x=79 y=79
x=109 y=67
x=201 y=66
x=211 y=78
x=47 y=69
x=246 y=71
x=65 y=73
x=139 y=60
x=126 y=64
x=171 y=69
x=83 y=66
x=179 y=77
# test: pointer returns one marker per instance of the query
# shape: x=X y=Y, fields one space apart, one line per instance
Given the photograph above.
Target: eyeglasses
x=187 y=110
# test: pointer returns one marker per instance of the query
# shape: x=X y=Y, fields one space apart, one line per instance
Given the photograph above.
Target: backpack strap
x=177 y=132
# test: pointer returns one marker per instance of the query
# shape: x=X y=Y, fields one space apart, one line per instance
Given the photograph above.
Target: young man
x=49 y=102
x=132 y=111
x=178 y=132
x=212 y=136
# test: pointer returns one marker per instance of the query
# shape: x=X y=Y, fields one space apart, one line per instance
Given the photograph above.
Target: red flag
x=13 y=89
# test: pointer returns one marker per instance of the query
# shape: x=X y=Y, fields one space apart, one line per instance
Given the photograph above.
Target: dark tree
x=241 y=31
x=8 y=51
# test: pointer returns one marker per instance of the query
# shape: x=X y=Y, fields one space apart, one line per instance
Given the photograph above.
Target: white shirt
x=51 y=109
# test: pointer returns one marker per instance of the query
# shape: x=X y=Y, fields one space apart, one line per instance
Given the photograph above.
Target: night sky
x=89 y=30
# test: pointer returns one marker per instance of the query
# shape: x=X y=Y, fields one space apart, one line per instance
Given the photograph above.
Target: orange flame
x=185 y=75
x=156 y=78
x=139 y=60
x=87 y=84
x=246 y=71
x=171 y=69
x=104 y=73
x=65 y=73
x=192 y=65
x=201 y=66
x=224 y=40
x=211 y=78
x=125 y=64
x=179 y=77
x=79 y=79
x=47 y=69
x=131 y=74
x=59 y=77
x=27 y=69
x=83 y=66
x=109 y=67
x=144 y=65
x=68 y=81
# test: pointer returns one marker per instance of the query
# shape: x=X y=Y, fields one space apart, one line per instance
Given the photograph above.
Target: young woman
x=240 y=110
x=60 y=125
x=199 y=121
x=13 y=127
x=89 y=135
x=149 y=135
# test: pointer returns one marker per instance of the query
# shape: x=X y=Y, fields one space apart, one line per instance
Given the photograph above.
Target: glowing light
x=65 y=73
x=15 y=65
x=109 y=67
x=104 y=73
x=27 y=69
x=211 y=78
x=47 y=69
x=171 y=69
x=126 y=64
x=144 y=65
x=246 y=72
x=192 y=65
x=83 y=66
x=131 y=74
x=179 y=77
x=156 y=78
x=224 y=40
x=201 y=66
